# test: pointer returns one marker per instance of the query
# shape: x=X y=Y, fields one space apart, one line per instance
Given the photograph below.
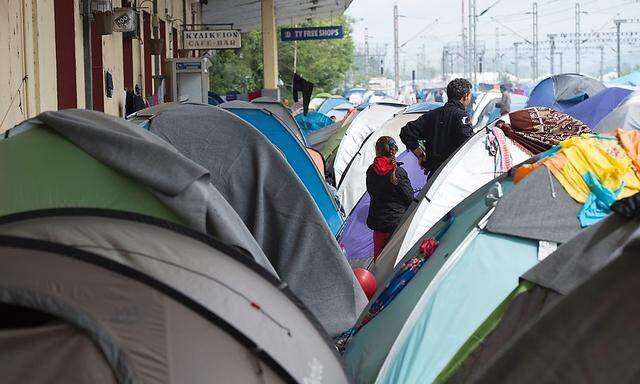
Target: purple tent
x=595 y=108
x=357 y=238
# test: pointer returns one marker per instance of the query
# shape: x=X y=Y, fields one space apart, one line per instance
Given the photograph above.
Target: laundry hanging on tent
x=304 y=86
x=603 y=156
x=539 y=129
x=598 y=204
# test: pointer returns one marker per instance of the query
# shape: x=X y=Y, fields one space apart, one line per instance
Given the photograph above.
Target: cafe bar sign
x=216 y=39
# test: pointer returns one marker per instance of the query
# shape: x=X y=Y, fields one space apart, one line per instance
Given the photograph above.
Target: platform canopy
x=246 y=15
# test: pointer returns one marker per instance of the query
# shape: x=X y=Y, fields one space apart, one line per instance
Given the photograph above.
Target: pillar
x=270 y=49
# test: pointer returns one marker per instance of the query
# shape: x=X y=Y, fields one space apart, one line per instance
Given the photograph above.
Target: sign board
x=312 y=33
x=124 y=20
x=189 y=66
x=219 y=39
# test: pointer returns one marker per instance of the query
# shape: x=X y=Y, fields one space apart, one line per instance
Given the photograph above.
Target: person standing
x=505 y=102
x=443 y=129
x=390 y=191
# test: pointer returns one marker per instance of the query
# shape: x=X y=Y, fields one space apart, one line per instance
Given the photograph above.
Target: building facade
x=56 y=57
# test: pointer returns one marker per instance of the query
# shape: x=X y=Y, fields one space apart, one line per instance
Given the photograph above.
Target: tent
x=317 y=139
x=486 y=155
x=109 y=296
x=270 y=126
x=632 y=79
x=312 y=122
x=331 y=103
x=470 y=273
x=549 y=302
x=86 y=159
x=356 y=238
x=563 y=91
x=317 y=101
x=341 y=111
x=367 y=122
x=283 y=113
x=625 y=116
x=353 y=184
x=490 y=112
x=274 y=205
x=485 y=244
x=595 y=108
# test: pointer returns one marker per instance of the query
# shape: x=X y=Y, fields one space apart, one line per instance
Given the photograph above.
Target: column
x=270 y=49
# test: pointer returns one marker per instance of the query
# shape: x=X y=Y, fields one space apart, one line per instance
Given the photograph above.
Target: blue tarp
x=331 y=103
x=632 y=79
x=297 y=157
x=313 y=121
x=594 y=109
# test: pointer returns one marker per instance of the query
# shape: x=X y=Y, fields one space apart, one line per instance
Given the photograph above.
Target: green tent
x=39 y=169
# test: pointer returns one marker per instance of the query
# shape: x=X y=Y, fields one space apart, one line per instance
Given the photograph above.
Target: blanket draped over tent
x=539 y=129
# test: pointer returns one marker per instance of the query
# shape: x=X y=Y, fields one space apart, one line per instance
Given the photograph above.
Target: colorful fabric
x=598 y=204
x=630 y=141
x=601 y=155
x=498 y=140
x=539 y=129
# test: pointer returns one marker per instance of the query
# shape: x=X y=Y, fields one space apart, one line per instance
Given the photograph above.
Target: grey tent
x=316 y=139
x=283 y=113
x=625 y=116
x=578 y=319
x=52 y=152
x=105 y=296
x=256 y=180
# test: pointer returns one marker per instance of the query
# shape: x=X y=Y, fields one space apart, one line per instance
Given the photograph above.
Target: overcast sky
x=433 y=24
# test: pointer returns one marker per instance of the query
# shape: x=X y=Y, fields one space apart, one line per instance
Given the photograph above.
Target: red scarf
x=383 y=165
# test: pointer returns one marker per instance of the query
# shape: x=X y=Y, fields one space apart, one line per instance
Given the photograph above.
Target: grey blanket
x=177 y=181
x=255 y=178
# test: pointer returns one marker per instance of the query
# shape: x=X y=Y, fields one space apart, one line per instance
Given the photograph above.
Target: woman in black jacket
x=390 y=190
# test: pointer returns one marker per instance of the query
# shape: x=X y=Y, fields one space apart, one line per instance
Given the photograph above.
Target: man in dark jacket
x=443 y=129
x=390 y=190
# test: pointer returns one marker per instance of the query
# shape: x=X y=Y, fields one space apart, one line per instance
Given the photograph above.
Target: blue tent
x=313 y=121
x=432 y=305
x=632 y=79
x=331 y=103
x=423 y=107
x=560 y=92
x=594 y=109
x=297 y=156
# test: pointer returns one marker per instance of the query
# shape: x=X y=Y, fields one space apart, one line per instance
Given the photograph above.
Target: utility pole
x=535 y=41
x=465 y=61
x=561 y=54
x=475 y=43
x=396 y=49
x=366 y=53
x=618 y=22
x=444 y=64
x=470 y=60
x=497 y=59
x=577 y=38
x=517 y=58
x=601 y=62
x=552 y=52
